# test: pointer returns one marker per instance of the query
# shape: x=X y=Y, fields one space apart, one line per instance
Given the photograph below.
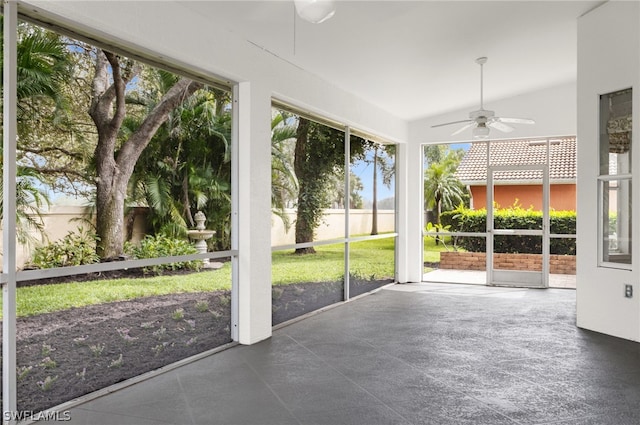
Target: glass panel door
x=518 y=226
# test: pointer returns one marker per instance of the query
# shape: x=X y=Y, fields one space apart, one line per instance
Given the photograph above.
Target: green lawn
x=40 y=299
x=369 y=260
x=432 y=251
x=374 y=259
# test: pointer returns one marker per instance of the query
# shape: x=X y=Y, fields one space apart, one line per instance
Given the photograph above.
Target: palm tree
x=43 y=66
x=186 y=167
x=441 y=186
x=30 y=198
x=284 y=183
x=383 y=158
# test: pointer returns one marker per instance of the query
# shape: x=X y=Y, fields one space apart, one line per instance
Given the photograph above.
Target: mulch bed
x=432 y=264
x=85 y=349
x=82 y=350
x=291 y=301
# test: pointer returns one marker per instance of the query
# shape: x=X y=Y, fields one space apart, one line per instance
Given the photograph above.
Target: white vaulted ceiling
x=415 y=59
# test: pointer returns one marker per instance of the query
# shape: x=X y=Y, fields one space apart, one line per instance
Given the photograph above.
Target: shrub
x=516 y=217
x=75 y=249
x=164 y=246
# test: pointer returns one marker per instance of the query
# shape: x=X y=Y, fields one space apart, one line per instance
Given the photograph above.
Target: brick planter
x=558 y=264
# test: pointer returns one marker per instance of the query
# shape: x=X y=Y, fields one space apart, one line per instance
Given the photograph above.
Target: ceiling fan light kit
x=481 y=132
x=315 y=11
x=483 y=120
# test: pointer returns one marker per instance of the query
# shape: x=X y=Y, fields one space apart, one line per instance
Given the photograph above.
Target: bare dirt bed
x=67 y=354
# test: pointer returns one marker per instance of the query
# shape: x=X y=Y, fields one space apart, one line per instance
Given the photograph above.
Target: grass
x=38 y=299
x=372 y=259
x=432 y=251
x=326 y=265
x=368 y=260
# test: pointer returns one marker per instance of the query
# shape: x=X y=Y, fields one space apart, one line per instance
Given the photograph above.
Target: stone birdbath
x=200 y=235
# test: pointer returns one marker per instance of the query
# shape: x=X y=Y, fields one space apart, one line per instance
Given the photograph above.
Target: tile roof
x=562 y=164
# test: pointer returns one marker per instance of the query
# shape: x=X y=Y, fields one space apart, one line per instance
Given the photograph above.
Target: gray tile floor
x=409 y=354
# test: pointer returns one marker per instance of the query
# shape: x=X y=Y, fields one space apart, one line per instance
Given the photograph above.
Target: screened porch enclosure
x=501 y=220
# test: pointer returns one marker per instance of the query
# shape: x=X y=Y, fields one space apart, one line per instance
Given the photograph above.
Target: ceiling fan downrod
x=481 y=61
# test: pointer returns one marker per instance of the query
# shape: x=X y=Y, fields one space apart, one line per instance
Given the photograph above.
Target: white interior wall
x=608 y=60
x=553 y=109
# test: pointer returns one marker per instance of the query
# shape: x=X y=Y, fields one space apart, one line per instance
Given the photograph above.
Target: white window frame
x=601 y=248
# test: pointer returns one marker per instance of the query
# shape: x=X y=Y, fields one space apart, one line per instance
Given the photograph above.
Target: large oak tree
x=115 y=158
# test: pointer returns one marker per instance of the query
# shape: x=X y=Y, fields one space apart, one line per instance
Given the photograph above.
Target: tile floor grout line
x=275 y=394
x=350 y=380
x=435 y=379
x=186 y=400
x=411 y=366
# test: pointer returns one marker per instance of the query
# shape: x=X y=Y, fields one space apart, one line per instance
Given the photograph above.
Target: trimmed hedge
x=465 y=220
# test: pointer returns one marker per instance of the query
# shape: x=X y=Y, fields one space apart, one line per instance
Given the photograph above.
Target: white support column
x=410 y=205
x=254 y=212
x=9 y=393
x=401 y=193
x=347 y=211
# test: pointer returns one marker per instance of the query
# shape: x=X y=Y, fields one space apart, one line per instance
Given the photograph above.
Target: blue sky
x=364 y=170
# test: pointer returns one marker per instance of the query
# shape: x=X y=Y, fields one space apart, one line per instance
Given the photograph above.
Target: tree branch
x=42 y=151
x=139 y=139
x=62 y=170
x=119 y=86
x=100 y=98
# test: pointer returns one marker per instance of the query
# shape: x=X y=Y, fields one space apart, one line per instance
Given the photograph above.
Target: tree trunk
x=110 y=219
x=304 y=229
x=108 y=111
x=437 y=221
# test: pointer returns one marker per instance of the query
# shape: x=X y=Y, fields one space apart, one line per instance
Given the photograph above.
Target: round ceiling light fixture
x=315 y=11
x=481 y=131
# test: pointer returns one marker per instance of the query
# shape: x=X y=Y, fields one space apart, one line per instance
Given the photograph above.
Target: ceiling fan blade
x=471 y=124
x=451 y=123
x=516 y=120
x=483 y=119
x=500 y=126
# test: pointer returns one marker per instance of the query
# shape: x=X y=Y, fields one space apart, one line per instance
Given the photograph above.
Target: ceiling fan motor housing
x=481 y=113
x=481 y=119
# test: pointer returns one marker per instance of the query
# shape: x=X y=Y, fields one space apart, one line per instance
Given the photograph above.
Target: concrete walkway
x=471 y=277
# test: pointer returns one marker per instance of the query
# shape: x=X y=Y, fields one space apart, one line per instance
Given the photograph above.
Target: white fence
x=60 y=220
x=332 y=226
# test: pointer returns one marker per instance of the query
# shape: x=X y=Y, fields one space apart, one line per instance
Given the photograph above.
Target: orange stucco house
x=523 y=186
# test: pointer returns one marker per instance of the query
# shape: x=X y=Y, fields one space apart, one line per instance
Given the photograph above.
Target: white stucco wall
x=58 y=221
x=332 y=226
x=608 y=60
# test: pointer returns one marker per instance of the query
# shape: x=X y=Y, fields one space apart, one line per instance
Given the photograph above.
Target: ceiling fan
x=482 y=120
